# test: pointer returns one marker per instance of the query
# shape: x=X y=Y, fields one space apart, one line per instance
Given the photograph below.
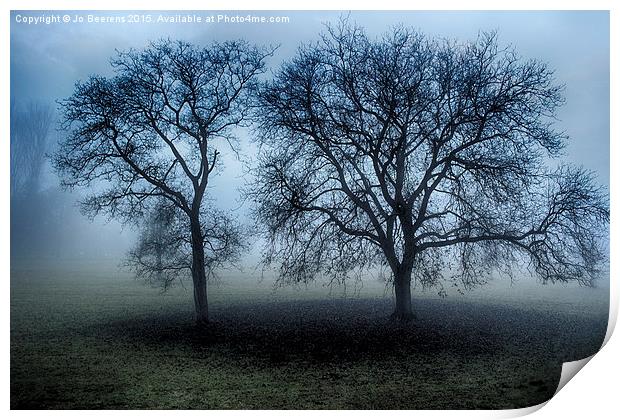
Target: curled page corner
x=518 y=412
x=613 y=316
x=569 y=370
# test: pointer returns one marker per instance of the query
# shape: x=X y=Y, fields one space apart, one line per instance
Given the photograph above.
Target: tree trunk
x=402 y=290
x=199 y=276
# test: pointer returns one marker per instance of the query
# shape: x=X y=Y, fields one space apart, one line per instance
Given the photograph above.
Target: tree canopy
x=430 y=158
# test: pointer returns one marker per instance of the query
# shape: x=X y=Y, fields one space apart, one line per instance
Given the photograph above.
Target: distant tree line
x=35 y=204
x=30 y=131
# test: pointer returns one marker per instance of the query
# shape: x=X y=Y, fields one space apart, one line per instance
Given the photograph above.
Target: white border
x=592 y=394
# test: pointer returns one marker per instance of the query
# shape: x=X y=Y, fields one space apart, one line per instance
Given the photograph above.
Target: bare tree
x=163 y=256
x=159 y=256
x=154 y=132
x=30 y=128
x=427 y=157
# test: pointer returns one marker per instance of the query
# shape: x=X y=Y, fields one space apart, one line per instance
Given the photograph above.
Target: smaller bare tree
x=147 y=142
x=162 y=254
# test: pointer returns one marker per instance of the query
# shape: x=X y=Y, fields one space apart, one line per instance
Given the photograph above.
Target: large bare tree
x=429 y=158
x=153 y=134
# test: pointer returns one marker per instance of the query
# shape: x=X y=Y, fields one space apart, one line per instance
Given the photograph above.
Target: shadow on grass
x=321 y=331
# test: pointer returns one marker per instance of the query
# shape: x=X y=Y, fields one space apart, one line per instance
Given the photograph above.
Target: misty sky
x=46 y=61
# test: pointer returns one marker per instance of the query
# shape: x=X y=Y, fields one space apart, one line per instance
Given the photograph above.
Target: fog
x=46 y=61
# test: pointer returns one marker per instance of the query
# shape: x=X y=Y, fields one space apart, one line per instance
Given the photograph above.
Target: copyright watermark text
x=155 y=18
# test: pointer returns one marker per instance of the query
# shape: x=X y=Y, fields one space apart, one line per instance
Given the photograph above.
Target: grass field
x=95 y=341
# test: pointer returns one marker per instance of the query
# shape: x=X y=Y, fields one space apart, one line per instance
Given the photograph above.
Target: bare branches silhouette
x=428 y=157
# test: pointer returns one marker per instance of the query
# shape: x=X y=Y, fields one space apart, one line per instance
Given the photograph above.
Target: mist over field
x=85 y=333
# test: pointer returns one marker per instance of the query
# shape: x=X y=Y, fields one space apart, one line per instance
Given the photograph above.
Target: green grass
x=94 y=341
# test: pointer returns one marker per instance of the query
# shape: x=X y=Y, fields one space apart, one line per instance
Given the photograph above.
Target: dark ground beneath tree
x=84 y=341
